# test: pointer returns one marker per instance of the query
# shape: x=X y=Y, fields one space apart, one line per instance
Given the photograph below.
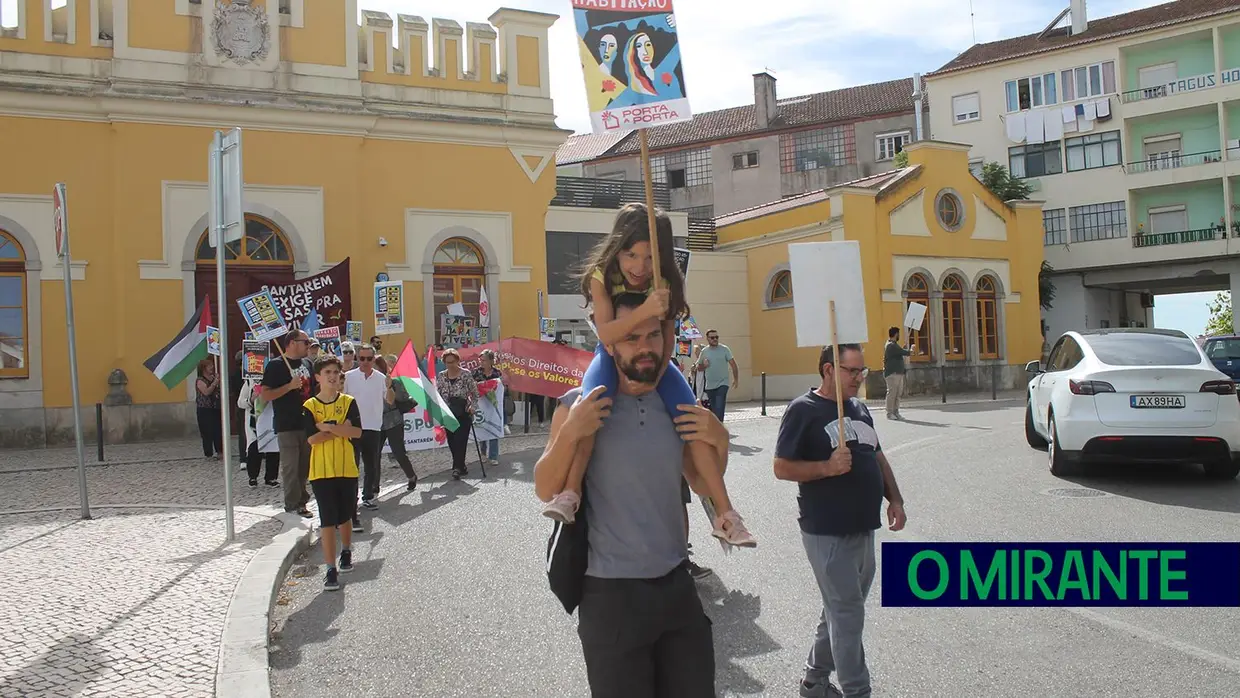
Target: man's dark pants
x=294 y=468
x=718 y=400
x=371 y=449
x=646 y=638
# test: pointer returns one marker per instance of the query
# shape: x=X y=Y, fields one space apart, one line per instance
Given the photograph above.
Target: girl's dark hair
x=631 y=227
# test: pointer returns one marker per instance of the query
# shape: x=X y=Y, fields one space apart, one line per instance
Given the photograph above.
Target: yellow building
x=416 y=150
x=929 y=233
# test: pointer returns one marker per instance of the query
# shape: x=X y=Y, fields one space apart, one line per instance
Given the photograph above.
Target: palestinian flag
x=421 y=389
x=180 y=358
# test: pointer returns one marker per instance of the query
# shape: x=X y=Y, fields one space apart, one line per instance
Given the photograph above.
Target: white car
x=1133 y=395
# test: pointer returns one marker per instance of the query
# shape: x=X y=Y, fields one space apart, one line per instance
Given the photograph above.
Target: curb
x=243 y=669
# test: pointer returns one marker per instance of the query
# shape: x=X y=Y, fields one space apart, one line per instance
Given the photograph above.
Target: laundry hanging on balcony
x=1104 y=109
x=1035 y=127
x=1068 y=115
x=1014 y=125
x=1053 y=126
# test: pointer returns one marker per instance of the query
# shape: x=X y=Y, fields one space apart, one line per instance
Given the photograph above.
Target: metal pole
x=217 y=201
x=99 y=428
x=994 y=381
x=67 y=261
x=943 y=382
x=764 y=393
x=527 y=413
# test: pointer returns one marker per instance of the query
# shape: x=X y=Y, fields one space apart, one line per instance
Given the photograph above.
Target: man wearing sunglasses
x=287 y=384
x=841 y=495
x=370 y=389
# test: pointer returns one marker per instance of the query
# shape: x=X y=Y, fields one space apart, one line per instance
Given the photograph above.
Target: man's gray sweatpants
x=844 y=568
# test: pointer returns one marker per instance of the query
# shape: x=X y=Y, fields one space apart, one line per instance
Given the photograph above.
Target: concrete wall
x=719 y=300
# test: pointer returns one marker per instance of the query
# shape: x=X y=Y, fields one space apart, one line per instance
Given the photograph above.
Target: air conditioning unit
x=1147 y=300
x=1233 y=143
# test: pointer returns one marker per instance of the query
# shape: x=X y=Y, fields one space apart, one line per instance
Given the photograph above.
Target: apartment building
x=727 y=160
x=1128 y=128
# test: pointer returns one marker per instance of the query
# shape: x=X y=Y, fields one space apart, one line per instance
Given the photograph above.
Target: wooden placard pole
x=652 y=219
x=282 y=356
x=839 y=388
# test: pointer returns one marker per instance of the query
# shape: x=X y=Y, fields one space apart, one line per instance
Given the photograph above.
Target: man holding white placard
x=841 y=493
x=893 y=371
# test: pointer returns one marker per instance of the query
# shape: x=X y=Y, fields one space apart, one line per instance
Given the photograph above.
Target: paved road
x=449 y=596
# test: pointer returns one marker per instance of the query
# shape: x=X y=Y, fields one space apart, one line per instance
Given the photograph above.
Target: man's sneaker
x=346 y=560
x=332 y=581
x=369 y=504
x=413 y=483
x=305 y=513
x=273 y=483
x=820 y=689
x=563 y=507
x=253 y=482
x=731 y=528
x=698 y=571
x=357 y=525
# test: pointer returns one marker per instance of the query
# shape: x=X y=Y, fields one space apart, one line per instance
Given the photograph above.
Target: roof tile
x=1097 y=30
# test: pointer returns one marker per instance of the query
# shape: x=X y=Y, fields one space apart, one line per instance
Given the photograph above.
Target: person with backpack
x=397 y=404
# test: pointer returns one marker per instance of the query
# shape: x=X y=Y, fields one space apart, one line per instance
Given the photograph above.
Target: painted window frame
x=1090 y=217
x=953 y=313
x=969 y=115
x=1085 y=143
x=694 y=166
x=1167 y=208
x=888 y=142
x=988 y=331
x=16 y=268
x=800 y=149
x=458 y=273
x=747 y=160
x=1035 y=149
x=957 y=203
x=1070 y=81
x=1047 y=92
x=920 y=341
x=1163 y=159
x=1054 y=226
x=777 y=282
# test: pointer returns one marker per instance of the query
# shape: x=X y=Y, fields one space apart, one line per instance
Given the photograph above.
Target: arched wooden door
x=460 y=272
x=262 y=257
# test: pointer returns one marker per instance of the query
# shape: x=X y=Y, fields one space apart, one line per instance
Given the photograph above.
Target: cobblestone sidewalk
x=132 y=603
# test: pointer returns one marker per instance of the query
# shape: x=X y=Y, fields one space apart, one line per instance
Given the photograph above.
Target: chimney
x=917 y=97
x=765 y=108
x=1077 y=10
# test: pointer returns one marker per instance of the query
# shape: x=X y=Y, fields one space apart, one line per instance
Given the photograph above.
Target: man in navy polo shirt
x=841 y=495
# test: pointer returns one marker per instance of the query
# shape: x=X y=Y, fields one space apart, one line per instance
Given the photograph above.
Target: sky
x=1184 y=311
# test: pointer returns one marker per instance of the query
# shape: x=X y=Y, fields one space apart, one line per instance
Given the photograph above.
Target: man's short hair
x=325 y=361
x=893 y=332
x=828 y=354
x=630 y=301
x=712 y=331
x=347 y=348
x=366 y=347
x=294 y=335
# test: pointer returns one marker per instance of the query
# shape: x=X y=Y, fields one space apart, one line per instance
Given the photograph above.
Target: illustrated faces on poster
x=645 y=49
x=607 y=49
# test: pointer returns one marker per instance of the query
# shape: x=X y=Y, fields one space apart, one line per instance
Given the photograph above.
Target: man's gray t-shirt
x=634 y=509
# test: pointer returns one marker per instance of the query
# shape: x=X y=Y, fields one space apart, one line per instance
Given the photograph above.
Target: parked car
x=1224 y=353
x=1132 y=395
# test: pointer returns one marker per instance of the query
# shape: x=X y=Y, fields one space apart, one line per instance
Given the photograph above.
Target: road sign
x=59 y=219
x=226 y=182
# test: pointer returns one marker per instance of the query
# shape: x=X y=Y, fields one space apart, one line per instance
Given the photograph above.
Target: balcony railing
x=587 y=192
x=1196 y=83
x=702 y=235
x=1173 y=160
x=1217 y=232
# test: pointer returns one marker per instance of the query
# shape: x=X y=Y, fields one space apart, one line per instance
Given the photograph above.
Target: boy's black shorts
x=337 y=500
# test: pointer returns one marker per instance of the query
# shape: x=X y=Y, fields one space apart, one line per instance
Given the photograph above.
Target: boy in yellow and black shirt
x=332 y=420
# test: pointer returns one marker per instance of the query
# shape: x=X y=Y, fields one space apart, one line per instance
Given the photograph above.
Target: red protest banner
x=535 y=367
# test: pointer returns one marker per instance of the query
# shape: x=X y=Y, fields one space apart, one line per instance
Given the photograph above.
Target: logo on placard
x=242 y=33
x=610 y=122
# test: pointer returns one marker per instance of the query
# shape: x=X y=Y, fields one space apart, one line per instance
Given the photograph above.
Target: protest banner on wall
x=630 y=56
x=262 y=315
x=389 y=307
x=326 y=292
x=488 y=421
x=213 y=341
x=254 y=358
x=353 y=331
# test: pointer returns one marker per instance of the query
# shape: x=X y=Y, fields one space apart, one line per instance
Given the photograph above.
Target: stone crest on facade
x=242 y=32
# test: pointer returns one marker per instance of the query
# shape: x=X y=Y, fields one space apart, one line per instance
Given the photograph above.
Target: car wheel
x=1060 y=465
x=1031 y=434
x=1222 y=470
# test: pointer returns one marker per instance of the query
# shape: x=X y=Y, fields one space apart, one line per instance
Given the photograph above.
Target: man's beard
x=642 y=375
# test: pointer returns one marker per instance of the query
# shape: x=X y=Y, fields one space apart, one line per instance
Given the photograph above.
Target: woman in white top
x=254 y=457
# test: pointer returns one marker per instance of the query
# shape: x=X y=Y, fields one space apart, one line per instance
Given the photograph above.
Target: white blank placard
x=823 y=272
x=915 y=316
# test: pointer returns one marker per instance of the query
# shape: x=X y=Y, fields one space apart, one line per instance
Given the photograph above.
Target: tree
x=996 y=178
x=1220 y=315
x=901 y=159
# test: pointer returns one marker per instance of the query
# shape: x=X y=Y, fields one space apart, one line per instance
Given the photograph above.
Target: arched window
x=953 y=319
x=780 y=291
x=13 y=326
x=918 y=291
x=460 y=273
x=263 y=243
x=987 y=319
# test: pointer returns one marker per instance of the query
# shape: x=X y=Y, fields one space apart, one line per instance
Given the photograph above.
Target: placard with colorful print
x=389 y=307
x=262 y=315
